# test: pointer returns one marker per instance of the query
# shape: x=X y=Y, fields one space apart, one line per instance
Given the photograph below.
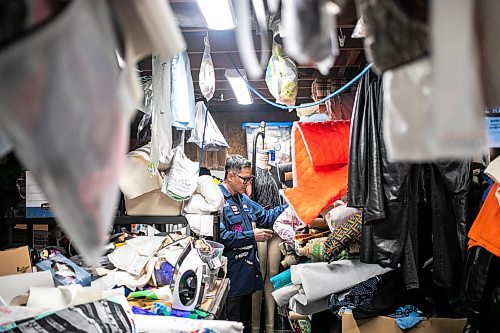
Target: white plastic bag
x=66 y=109
x=207 y=73
x=309 y=29
x=182 y=178
x=214 y=140
x=282 y=77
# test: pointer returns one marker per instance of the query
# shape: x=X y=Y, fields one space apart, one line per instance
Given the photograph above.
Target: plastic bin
x=278 y=140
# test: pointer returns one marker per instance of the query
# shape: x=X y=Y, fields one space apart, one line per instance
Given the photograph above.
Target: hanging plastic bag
x=309 y=32
x=282 y=77
x=182 y=93
x=69 y=120
x=207 y=73
x=214 y=140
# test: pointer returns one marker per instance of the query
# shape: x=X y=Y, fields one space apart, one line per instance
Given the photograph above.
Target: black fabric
x=239 y=308
x=408 y=208
x=101 y=316
x=397 y=31
x=266 y=189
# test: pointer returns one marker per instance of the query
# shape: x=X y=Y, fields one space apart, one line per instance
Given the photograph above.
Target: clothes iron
x=191 y=277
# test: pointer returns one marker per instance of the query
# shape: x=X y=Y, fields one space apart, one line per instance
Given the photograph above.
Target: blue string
x=285 y=107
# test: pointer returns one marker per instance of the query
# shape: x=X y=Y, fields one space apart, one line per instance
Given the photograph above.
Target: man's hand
x=262 y=235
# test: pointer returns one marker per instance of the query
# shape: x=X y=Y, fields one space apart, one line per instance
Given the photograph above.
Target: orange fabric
x=320 y=156
x=485 y=231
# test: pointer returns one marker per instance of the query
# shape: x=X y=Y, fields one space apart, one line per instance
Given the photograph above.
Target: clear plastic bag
x=309 y=31
x=214 y=140
x=207 y=73
x=282 y=77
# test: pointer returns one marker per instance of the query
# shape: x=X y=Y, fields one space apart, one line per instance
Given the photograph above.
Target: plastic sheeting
x=207 y=73
x=66 y=109
x=214 y=140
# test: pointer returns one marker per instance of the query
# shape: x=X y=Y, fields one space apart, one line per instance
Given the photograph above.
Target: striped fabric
x=98 y=317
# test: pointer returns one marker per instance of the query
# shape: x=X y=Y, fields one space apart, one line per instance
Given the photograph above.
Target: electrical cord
x=307 y=105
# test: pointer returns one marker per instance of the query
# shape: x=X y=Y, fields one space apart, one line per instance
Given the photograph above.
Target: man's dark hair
x=235 y=163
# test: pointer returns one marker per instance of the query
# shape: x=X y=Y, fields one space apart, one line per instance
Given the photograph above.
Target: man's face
x=239 y=181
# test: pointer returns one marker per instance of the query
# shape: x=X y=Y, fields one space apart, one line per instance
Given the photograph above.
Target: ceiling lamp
x=218 y=14
x=239 y=85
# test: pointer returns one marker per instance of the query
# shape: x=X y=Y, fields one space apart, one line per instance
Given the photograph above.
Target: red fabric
x=485 y=231
x=320 y=152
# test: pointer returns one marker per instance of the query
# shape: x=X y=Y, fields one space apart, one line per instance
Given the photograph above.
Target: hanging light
x=239 y=85
x=218 y=14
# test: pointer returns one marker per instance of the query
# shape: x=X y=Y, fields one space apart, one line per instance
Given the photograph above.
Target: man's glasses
x=245 y=179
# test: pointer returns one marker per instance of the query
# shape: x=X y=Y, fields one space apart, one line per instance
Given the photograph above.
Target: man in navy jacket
x=240 y=238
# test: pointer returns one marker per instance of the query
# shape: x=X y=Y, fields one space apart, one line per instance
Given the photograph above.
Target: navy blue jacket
x=240 y=247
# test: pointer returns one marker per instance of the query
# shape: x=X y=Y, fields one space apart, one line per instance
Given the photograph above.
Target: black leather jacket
x=412 y=212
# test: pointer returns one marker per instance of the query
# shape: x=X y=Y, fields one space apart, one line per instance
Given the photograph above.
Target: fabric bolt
x=282 y=279
x=457 y=123
x=309 y=308
x=320 y=168
x=285 y=226
x=485 y=231
x=343 y=274
x=84 y=119
x=283 y=295
x=163 y=324
x=339 y=215
x=396 y=32
x=359 y=297
x=97 y=317
x=182 y=102
x=342 y=237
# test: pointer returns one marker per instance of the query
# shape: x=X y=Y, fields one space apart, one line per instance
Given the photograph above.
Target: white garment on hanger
x=182 y=101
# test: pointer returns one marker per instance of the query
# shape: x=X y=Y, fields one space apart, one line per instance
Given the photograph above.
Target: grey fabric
x=397 y=31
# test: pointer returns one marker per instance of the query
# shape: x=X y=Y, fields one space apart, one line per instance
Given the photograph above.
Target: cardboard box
x=64 y=271
x=15 y=261
x=388 y=325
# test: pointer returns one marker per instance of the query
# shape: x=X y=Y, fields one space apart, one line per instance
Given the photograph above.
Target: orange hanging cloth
x=485 y=231
x=320 y=156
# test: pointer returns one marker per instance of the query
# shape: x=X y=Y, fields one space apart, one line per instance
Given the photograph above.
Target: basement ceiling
x=223 y=48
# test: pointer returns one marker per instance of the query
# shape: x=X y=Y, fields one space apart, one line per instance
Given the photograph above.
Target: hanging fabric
x=182 y=101
x=310 y=34
x=161 y=119
x=69 y=120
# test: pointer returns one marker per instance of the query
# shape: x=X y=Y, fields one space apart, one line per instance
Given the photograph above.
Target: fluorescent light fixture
x=218 y=14
x=239 y=86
